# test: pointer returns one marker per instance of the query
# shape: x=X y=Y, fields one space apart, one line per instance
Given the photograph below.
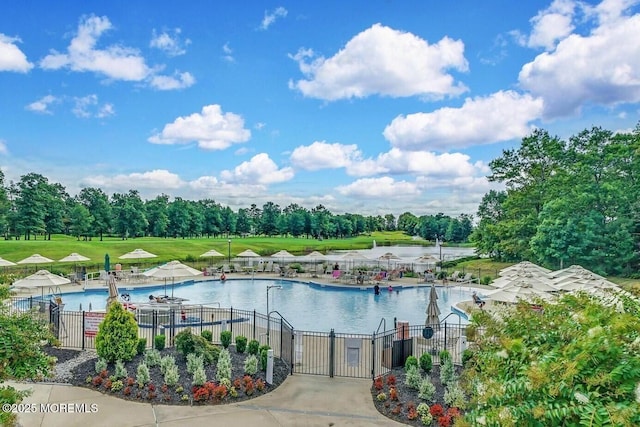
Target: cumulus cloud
x=552 y=24
x=259 y=170
x=177 y=81
x=322 y=155
x=11 y=57
x=384 y=61
x=272 y=16
x=159 y=179
x=42 y=105
x=502 y=116
x=211 y=129
x=89 y=106
x=170 y=42
x=448 y=165
x=227 y=53
x=378 y=188
x=602 y=67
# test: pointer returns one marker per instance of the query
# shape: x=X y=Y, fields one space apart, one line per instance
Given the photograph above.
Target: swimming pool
x=307 y=306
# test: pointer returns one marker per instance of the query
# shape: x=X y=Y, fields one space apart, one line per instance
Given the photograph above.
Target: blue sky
x=371 y=107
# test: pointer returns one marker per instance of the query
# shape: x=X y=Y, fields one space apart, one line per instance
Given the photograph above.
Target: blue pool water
x=306 y=306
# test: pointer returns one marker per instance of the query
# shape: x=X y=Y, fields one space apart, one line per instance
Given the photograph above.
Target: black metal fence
x=307 y=352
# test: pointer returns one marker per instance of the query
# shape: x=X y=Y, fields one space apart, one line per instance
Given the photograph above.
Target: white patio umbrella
x=172 y=270
x=388 y=256
x=433 y=311
x=137 y=254
x=538 y=282
x=41 y=279
x=248 y=254
x=315 y=255
x=35 y=259
x=6 y=263
x=584 y=282
x=212 y=253
x=517 y=291
x=283 y=254
x=524 y=267
x=354 y=256
x=74 y=257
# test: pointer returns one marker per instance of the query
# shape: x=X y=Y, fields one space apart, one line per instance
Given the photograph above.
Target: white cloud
x=11 y=57
x=212 y=129
x=42 y=105
x=228 y=53
x=384 y=61
x=159 y=179
x=177 y=81
x=321 y=155
x=426 y=163
x=169 y=42
x=502 y=116
x=378 y=188
x=259 y=170
x=602 y=67
x=552 y=24
x=270 y=17
x=88 y=106
x=3 y=148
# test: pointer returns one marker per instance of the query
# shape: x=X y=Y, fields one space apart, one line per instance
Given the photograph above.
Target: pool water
x=307 y=306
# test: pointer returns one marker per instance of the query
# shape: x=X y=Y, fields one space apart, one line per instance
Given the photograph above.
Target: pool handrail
x=457 y=314
x=383 y=323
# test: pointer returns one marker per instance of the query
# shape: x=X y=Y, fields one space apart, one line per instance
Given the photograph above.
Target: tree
x=30 y=205
x=269 y=219
x=157 y=216
x=80 y=221
x=97 y=202
x=130 y=218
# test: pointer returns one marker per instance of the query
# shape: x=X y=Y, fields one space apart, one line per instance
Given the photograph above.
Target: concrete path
x=302 y=400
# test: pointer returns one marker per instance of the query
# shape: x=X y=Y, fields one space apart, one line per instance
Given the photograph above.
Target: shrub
x=391 y=380
x=260 y=385
x=152 y=357
x=167 y=362
x=447 y=372
x=393 y=393
x=142 y=376
x=193 y=362
x=454 y=396
x=117 y=385
x=378 y=384
x=413 y=377
x=444 y=355
x=199 y=376
x=141 y=345
x=159 y=342
x=171 y=375
x=251 y=365
x=486 y=280
x=253 y=347
x=427 y=390
x=467 y=357
x=411 y=361
x=426 y=363
x=223 y=367
x=241 y=344
x=263 y=357
x=117 y=337
x=100 y=365
x=185 y=342
x=207 y=335
x=381 y=397
x=121 y=370
x=471 y=332
x=225 y=338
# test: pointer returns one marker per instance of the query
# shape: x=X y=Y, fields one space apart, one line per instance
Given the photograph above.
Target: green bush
x=223 y=367
x=486 y=280
x=241 y=343
x=253 y=347
x=263 y=356
x=411 y=361
x=426 y=363
x=225 y=338
x=444 y=355
x=117 y=337
x=100 y=365
x=187 y=343
x=141 y=346
x=159 y=342
x=152 y=357
x=207 y=335
x=413 y=377
x=467 y=357
x=251 y=365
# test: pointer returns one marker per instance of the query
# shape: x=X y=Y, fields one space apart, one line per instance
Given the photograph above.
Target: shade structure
x=172 y=270
x=583 y=282
x=573 y=271
x=212 y=254
x=524 y=267
x=353 y=255
x=137 y=254
x=517 y=291
x=433 y=311
x=388 y=257
x=41 y=279
x=539 y=282
x=6 y=263
x=35 y=259
x=283 y=254
x=248 y=254
x=315 y=255
x=74 y=257
x=426 y=259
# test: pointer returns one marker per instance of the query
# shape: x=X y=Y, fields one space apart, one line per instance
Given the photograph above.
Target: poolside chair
x=226 y=269
x=466 y=278
x=454 y=277
x=269 y=267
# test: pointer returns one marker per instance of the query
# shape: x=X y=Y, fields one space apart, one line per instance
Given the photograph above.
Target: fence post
x=373 y=356
x=254 y=325
x=201 y=318
x=83 y=330
x=332 y=352
x=231 y=321
x=292 y=350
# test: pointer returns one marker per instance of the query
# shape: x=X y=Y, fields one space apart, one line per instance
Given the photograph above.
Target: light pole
x=268 y=312
x=229 y=253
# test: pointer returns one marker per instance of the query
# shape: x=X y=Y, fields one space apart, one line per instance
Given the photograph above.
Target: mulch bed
x=183 y=393
x=61 y=354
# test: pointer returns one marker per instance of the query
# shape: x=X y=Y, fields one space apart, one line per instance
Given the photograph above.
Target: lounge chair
x=226 y=269
x=466 y=278
x=454 y=277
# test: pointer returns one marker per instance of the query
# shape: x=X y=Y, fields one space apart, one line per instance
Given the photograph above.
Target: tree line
x=33 y=207
x=574 y=201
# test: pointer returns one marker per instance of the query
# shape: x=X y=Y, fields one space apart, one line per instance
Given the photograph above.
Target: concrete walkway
x=302 y=400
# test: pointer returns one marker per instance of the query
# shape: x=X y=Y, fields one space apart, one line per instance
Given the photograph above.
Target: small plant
x=447 y=372
x=454 y=396
x=253 y=347
x=444 y=356
x=436 y=410
x=393 y=393
x=397 y=409
x=104 y=374
x=223 y=368
x=126 y=391
x=225 y=338
x=116 y=386
x=426 y=362
x=220 y=392
x=413 y=377
x=411 y=361
x=378 y=384
x=152 y=387
x=199 y=376
x=179 y=389
x=207 y=335
x=130 y=381
x=164 y=388
x=233 y=392
x=172 y=376
x=121 y=370
x=151 y=395
x=251 y=365
x=108 y=384
x=97 y=381
x=159 y=342
x=88 y=379
x=412 y=414
x=467 y=357
x=381 y=397
x=193 y=362
x=141 y=345
x=185 y=397
x=241 y=344
x=391 y=380
x=100 y=365
x=225 y=382
x=263 y=357
x=167 y=362
x=260 y=385
x=152 y=357
x=142 y=376
x=427 y=390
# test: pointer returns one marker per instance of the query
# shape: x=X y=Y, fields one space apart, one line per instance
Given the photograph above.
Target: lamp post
x=229 y=253
x=268 y=312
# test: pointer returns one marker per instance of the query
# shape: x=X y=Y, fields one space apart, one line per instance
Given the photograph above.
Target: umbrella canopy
x=248 y=254
x=574 y=271
x=74 y=257
x=211 y=253
x=353 y=255
x=433 y=311
x=315 y=255
x=517 y=291
x=172 y=270
x=6 y=262
x=137 y=254
x=524 y=267
x=538 y=282
x=584 y=282
x=35 y=259
x=388 y=256
x=41 y=279
x=113 y=290
x=427 y=259
x=283 y=254
x=107 y=263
